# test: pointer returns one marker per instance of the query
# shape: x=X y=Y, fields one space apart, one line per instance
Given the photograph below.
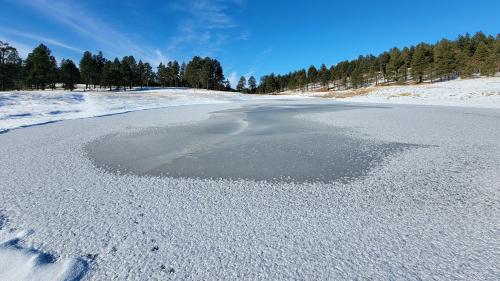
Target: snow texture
x=431 y=212
x=21 y=263
x=477 y=92
x=26 y=108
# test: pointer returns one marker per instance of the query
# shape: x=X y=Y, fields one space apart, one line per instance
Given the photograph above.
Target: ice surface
x=429 y=213
x=262 y=142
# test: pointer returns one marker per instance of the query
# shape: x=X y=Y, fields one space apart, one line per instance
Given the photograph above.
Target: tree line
x=447 y=59
x=41 y=71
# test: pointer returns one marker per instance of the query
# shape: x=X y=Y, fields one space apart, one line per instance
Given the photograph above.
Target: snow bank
x=20 y=263
x=479 y=92
x=26 y=108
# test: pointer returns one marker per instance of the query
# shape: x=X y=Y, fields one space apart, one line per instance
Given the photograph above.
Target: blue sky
x=248 y=37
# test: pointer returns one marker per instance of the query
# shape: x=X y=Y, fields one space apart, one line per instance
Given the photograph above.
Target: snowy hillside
x=479 y=92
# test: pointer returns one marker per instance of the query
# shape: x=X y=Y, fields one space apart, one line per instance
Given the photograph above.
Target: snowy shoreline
x=474 y=92
x=28 y=108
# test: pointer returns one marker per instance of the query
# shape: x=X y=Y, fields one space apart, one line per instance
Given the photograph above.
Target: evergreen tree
x=53 y=74
x=87 y=69
x=406 y=56
x=175 y=73
x=98 y=62
x=181 y=74
x=116 y=74
x=394 y=65
x=312 y=74
x=107 y=75
x=69 y=74
x=162 y=75
x=302 y=79
x=10 y=67
x=445 y=61
x=357 y=75
x=332 y=72
x=217 y=75
x=149 y=75
x=464 y=56
x=241 y=84
x=145 y=73
x=204 y=73
x=384 y=59
x=482 y=60
x=324 y=75
x=40 y=67
x=129 y=71
x=252 y=84
x=496 y=53
x=422 y=62
x=141 y=73
x=170 y=75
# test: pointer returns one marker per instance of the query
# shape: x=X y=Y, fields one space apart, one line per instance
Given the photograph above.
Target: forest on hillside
x=447 y=59
x=40 y=71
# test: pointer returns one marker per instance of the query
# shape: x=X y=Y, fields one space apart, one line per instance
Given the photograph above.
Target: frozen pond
x=395 y=193
x=257 y=142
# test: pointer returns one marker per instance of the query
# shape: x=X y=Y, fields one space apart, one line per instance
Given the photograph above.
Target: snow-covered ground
x=477 y=92
x=429 y=212
x=25 y=108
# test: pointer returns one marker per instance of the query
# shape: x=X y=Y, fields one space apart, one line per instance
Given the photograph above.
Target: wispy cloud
x=80 y=20
x=206 y=27
x=203 y=27
x=39 y=38
x=244 y=35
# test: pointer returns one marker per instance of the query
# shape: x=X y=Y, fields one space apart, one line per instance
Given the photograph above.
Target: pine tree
x=324 y=75
x=40 y=67
x=357 y=75
x=117 y=74
x=496 y=53
x=129 y=71
x=107 y=75
x=69 y=74
x=312 y=74
x=87 y=68
x=252 y=84
x=241 y=84
x=181 y=74
x=145 y=73
x=10 y=67
x=217 y=75
x=161 y=75
x=98 y=62
x=406 y=56
x=141 y=73
x=421 y=62
x=394 y=65
x=384 y=59
x=175 y=73
x=149 y=75
x=445 y=61
x=192 y=74
x=333 y=75
x=482 y=59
